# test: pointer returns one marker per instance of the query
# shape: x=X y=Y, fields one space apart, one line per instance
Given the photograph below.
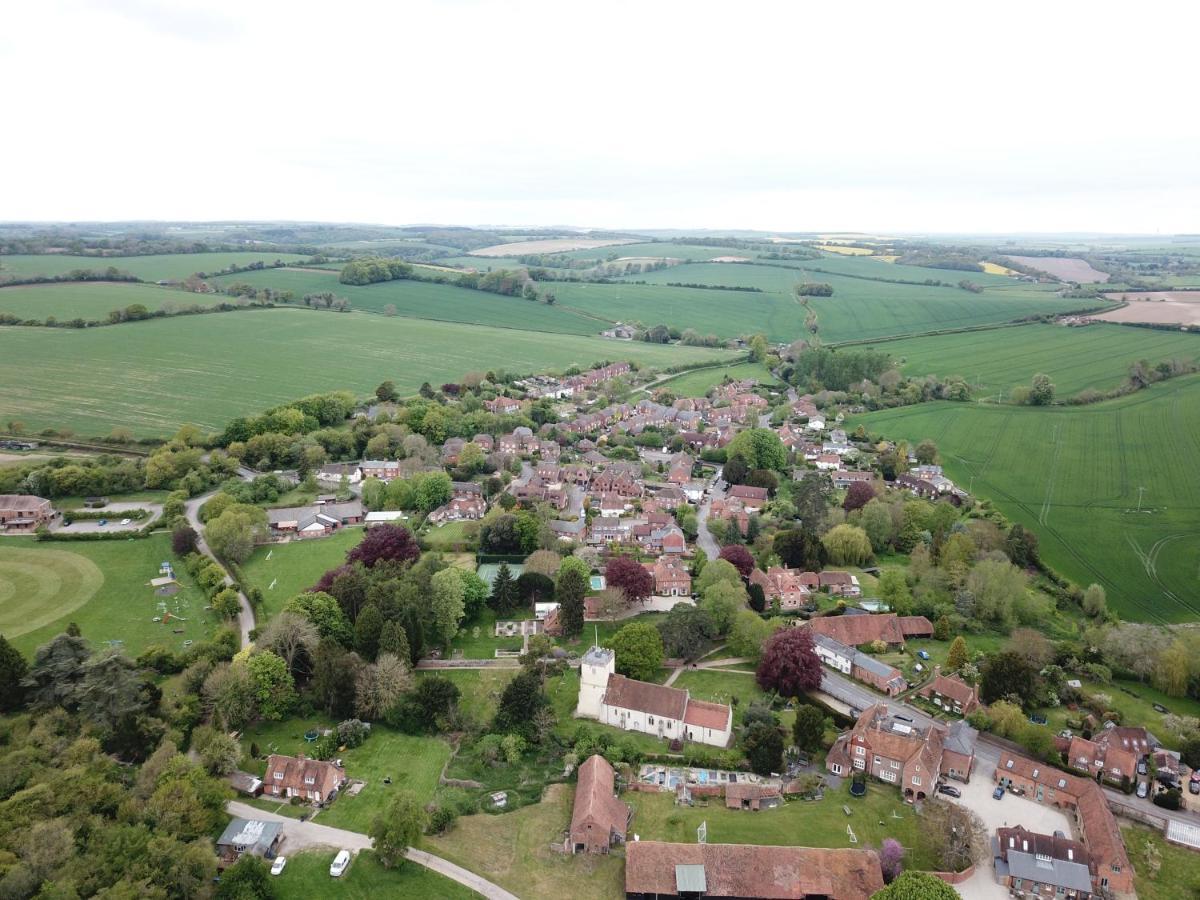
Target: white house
x=653 y=709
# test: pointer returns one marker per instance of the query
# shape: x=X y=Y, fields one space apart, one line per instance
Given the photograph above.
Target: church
x=655 y=709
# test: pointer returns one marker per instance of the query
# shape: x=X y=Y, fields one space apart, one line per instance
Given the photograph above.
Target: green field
x=1098 y=356
x=701 y=381
x=1178 y=878
x=1075 y=475
x=90 y=300
x=295 y=567
x=167 y=266
x=424 y=300
x=154 y=376
x=859 y=309
x=306 y=875
x=664 y=249
x=101 y=585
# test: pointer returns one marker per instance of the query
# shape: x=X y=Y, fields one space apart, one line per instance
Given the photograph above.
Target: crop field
x=549 y=245
x=653 y=250
x=1064 y=268
x=1098 y=356
x=101 y=585
x=90 y=300
x=701 y=381
x=859 y=309
x=296 y=566
x=154 y=376
x=423 y=300
x=877 y=267
x=845 y=250
x=166 y=266
x=1162 y=307
x=1110 y=489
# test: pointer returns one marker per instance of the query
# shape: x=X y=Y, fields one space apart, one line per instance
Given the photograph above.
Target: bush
x=441 y=820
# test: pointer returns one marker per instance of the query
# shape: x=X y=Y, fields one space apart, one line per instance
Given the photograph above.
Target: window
x=861 y=751
x=650 y=719
x=278 y=776
x=878 y=760
x=916 y=780
x=310 y=779
x=888 y=775
x=836 y=769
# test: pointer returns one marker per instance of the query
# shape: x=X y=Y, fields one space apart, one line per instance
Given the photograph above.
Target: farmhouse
x=951 y=694
x=656 y=870
x=752 y=498
x=599 y=820
x=1042 y=865
x=24 y=512
x=459 y=509
x=383 y=469
x=309 y=779
x=333 y=473
x=895 y=749
x=650 y=708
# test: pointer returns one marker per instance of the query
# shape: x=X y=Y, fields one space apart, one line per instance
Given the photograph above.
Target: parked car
x=1194 y=787
x=1142 y=767
x=102 y=522
x=1158 y=707
x=277 y=866
x=998 y=793
x=126 y=521
x=340 y=862
x=1143 y=788
x=949 y=790
x=924 y=654
x=1037 y=719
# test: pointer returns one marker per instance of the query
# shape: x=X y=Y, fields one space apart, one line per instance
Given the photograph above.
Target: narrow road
x=306 y=835
x=704 y=539
x=192 y=511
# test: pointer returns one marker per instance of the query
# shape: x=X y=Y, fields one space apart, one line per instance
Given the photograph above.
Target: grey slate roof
x=250 y=835
x=1046 y=870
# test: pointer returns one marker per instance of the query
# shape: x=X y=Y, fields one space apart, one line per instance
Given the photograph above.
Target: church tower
x=598 y=665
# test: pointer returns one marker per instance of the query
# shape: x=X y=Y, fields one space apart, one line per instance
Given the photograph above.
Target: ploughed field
x=1073 y=475
x=154 y=376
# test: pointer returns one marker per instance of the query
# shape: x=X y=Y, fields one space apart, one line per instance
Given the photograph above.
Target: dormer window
x=278 y=776
x=310 y=779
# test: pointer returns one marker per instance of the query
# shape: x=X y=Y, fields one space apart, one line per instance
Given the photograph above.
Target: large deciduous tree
x=639 y=650
x=741 y=558
x=385 y=542
x=760 y=447
x=631 y=577
x=800 y=548
x=789 y=664
x=398 y=828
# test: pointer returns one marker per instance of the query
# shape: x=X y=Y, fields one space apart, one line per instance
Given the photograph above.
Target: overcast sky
x=1048 y=116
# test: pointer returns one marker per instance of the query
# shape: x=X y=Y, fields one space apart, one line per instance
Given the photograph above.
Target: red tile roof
x=595 y=800
x=655 y=699
x=703 y=714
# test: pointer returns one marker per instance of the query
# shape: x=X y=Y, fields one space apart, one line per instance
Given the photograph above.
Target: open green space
x=1110 y=489
x=994 y=361
x=480 y=688
x=91 y=300
x=872 y=267
x=445 y=536
x=154 y=376
x=804 y=823
x=701 y=381
x=425 y=300
x=104 y=587
x=1178 y=875
x=296 y=566
x=162 y=267
x=306 y=875
x=413 y=763
x=513 y=850
x=1135 y=703
x=477 y=638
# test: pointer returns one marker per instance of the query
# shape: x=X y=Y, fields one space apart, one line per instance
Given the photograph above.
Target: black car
x=949 y=790
x=1194 y=787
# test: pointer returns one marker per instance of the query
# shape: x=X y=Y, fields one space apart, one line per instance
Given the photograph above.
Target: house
x=503 y=406
x=653 y=709
x=840 y=584
x=1136 y=740
x=671 y=578
x=253 y=836
x=744 y=795
x=599 y=820
x=1094 y=821
x=670 y=497
x=24 y=512
x=859 y=666
x=917 y=485
x=333 y=473
x=317 y=520
x=1109 y=761
x=854 y=631
x=467 y=490
x=958 y=750
x=843 y=478
x=951 y=693
x=1042 y=865
x=485 y=442
x=783 y=584
x=245 y=783
x=608 y=529
x=828 y=462
x=313 y=780
x=752 y=498
x=459 y=509
x=895 y=749
x=569 y=531
x=383 y=469
x=657 y=870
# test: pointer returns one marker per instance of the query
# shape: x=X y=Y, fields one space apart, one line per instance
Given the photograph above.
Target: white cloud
x=931 y=117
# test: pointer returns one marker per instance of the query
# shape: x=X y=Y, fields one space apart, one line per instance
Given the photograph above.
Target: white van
x=340 y=862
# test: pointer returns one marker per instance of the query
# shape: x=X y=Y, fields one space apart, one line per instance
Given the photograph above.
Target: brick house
x=1107 y=760
x=859 y=666
x=671 y=579
x=383 y=469
x=24 y=512
x=503 y=406
x=951 y=693
x=752 y=498
x=783 y=584
x=309 y=779
x=598 y=820
x=1042 y=865
x=840 y=584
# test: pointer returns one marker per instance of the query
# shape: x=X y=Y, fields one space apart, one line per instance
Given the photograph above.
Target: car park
x=998 y=793
x=277 y=866
x=338 y=867
x=949 y=790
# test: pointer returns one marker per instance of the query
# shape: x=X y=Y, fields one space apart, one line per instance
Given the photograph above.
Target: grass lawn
x=477 y=639
x=805 y=823
x=296 y=566
x=1179 y=876
x=101 y=585
x=307 y=875
x=442 y=537
x=134 y=497
x=480 y=688
x=701 y=381
x=721 y=687
x=1135 y=702
x=154 y=376
x=291 y=810
x=513 y=850
x=413 y=763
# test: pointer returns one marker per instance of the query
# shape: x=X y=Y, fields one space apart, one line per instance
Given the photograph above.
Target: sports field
x=154 y=376
x=166 y=266
x=1110 y=489
x=992 y=361
x=101 y=585
x=91 y=300
x=423 y=300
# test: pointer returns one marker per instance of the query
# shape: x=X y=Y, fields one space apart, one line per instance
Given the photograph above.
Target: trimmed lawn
x=292 y=811
x=413 y=763
x=477 y=639
x=806 y=823
x=307 y=875
x=296 y=566
x=481 y=688
x=513 y=850
x=104 y=587
x=701 y=381
x=442 y=537
x=1135 y=702
x=1179 y=876
x=721 y=687
x=92 y=301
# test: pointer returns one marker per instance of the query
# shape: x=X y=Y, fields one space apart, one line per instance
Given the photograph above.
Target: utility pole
x=1141 y=491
